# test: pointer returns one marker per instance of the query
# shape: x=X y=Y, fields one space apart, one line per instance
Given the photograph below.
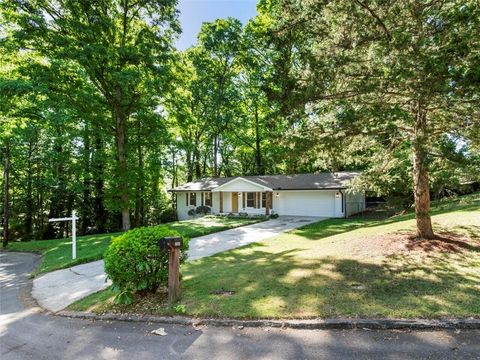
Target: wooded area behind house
x=100 y=113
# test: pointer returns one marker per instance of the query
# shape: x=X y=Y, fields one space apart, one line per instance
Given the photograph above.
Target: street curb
x=314 y=324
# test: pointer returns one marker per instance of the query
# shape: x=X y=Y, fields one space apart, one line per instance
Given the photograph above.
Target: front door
x=234 y=202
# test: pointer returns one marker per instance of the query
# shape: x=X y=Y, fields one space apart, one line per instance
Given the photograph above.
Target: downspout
x=344 y=204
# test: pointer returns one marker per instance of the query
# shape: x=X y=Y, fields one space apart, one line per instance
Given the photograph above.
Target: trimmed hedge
x=135 y=264
x=168 y=215
x=204 y=210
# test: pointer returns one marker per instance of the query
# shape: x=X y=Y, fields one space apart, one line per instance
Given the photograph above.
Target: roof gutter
x=281 y=189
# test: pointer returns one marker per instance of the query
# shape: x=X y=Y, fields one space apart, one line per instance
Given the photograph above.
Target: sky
x=194 y=12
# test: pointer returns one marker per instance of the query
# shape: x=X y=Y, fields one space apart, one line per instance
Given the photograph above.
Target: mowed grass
x=336 y=268
x=57 y=254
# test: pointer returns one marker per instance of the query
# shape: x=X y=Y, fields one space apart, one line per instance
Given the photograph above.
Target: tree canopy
x=100 y=113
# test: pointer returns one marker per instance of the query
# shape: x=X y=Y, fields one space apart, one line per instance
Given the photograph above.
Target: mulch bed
x=391 y=244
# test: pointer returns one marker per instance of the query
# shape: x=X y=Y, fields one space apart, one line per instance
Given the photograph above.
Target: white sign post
x=73 y=219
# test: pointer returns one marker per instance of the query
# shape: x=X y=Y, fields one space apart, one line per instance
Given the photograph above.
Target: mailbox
x=167 y=243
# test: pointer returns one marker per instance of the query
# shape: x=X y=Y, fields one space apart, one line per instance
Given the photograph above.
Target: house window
x=207 y=196
x=251 y=199
x=193 y=199
x=264 y=200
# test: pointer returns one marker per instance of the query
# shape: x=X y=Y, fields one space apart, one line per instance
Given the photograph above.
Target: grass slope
x=338 y=268
x=57 y=254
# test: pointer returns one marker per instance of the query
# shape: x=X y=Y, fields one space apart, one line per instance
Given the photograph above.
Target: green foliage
x=382 y=86
x=191 y=212
x=203 y=210
x=168 y=215
x=303 y=87
x=180 y=309
x=83 y=93
x=274 y=216
x=135 y=264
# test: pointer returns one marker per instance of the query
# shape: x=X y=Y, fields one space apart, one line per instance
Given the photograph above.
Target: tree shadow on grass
x=332 y=227
x=192 y=228
x=281 y=285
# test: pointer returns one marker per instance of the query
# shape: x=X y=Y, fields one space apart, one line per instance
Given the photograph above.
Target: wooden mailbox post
x=173 y=246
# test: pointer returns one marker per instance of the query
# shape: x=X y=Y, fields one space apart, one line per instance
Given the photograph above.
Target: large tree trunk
x=420 y=179
x=6 y=194
x=197 y=164
x=174 y=174
x=189 y=161
x=215 y=155
x=258 y=149
x=85 y=206
x=140 y=189
x=120 y=122
x=58 y=195
x=100 y=214
x=29 y=206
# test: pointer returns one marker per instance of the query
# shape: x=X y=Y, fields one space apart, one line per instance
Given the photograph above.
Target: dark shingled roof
x=337 y=180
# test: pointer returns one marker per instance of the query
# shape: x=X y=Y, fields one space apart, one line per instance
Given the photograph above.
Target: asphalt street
x=28 y=333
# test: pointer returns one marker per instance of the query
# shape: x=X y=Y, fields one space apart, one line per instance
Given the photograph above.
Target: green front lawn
x=337 y=268
x=57 y=254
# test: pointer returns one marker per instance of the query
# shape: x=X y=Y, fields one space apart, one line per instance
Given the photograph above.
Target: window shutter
x=186 y=198
x=243 y=199
x=202 y=201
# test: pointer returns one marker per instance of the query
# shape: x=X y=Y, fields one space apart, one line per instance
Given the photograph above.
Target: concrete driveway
x=230 y=239
x=56 y=290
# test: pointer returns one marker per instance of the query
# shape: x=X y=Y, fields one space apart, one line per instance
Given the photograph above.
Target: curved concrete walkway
x=56 y=290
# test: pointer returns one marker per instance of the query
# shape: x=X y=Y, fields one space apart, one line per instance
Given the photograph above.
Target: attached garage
x=308 y=203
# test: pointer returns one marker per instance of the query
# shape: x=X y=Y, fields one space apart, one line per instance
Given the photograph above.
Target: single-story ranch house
x=323 y=194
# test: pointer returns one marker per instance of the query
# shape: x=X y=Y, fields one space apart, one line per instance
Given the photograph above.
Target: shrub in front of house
x=168 y=215
x=273 y=216
x=191 y=212
x=203 y=210
x=135 y=264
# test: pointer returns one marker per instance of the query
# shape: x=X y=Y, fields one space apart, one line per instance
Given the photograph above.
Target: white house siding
x=215 y=203
x=289 y=202
x=227 y=202
x=306 y=203
x=241 y=185
x=355 y=202
x=182 y=208
x=249 y=210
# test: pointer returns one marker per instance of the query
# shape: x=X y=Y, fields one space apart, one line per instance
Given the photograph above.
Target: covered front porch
x=250 y=202
x=237 y=196
x=244 y=196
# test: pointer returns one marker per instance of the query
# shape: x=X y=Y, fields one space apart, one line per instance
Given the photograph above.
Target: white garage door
x=305 y=203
